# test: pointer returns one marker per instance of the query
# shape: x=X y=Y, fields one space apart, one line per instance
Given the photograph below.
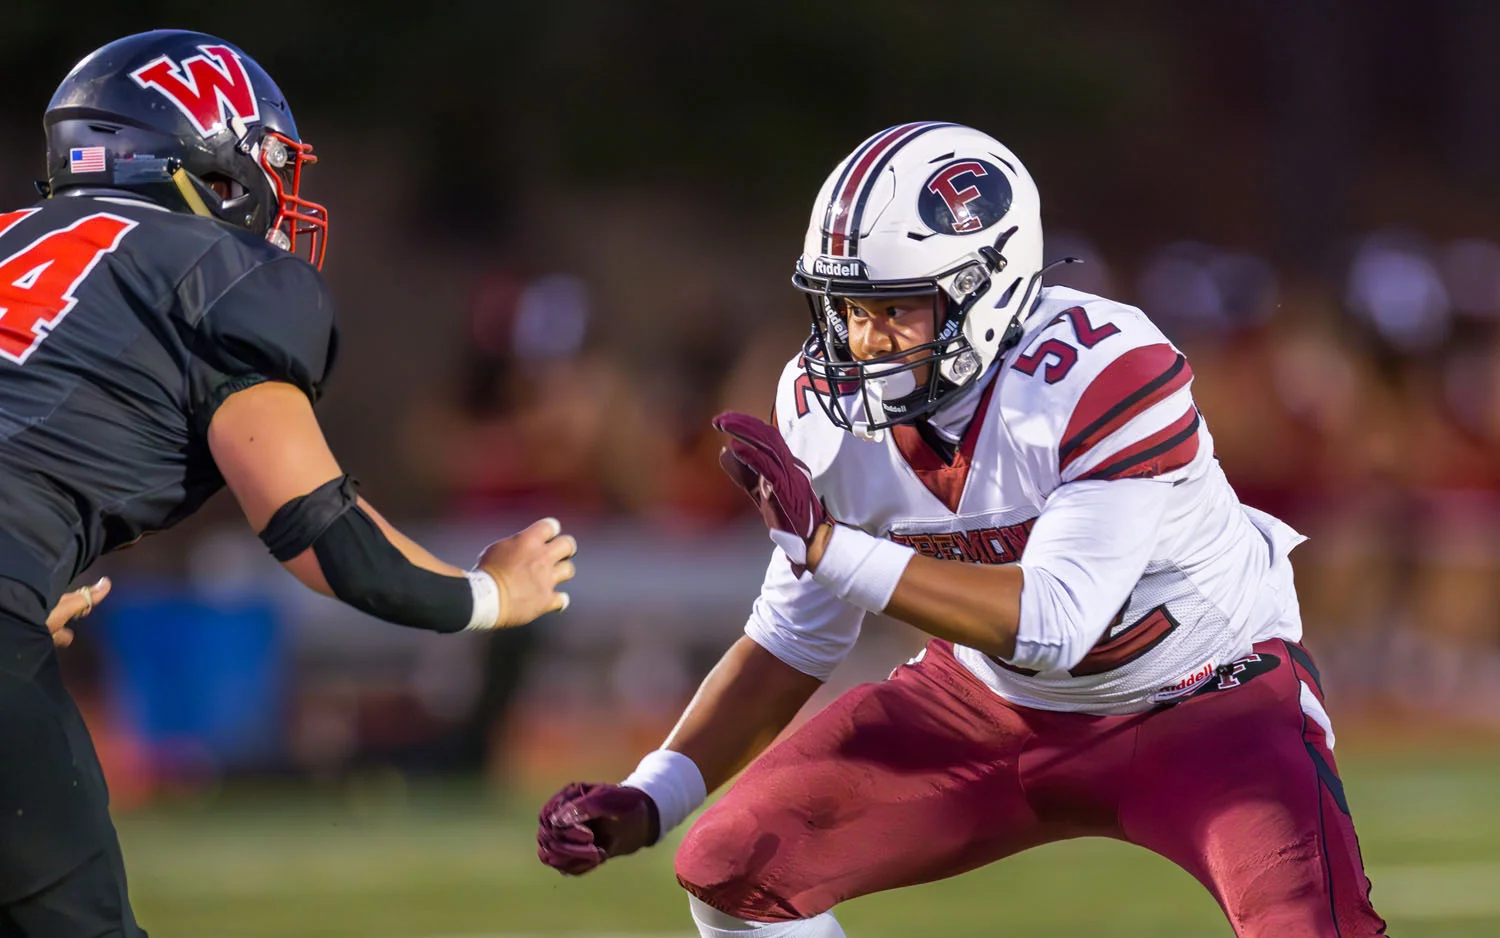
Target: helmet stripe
x=838 y=187
x=837 y=217
x=857 y=215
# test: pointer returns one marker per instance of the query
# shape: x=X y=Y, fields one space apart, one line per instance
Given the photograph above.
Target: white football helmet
x=921 y=208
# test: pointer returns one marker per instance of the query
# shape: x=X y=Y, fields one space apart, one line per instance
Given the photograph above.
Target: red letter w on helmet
x=203 y=87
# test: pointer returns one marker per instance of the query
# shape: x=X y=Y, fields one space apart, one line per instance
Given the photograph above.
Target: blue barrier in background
x=198 y=681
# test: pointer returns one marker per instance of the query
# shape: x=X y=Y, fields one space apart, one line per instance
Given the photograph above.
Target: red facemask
x=298 y=223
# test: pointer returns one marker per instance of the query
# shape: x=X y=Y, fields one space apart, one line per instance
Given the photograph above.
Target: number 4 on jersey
x=38 y=281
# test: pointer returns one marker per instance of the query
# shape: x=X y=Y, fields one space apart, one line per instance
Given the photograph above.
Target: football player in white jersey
x=1021 y=472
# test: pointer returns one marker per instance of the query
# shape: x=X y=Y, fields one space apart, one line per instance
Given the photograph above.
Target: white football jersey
x=1093 y=391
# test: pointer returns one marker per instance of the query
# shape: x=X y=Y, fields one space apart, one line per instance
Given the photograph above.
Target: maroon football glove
x=586 y=823
x=758 y=461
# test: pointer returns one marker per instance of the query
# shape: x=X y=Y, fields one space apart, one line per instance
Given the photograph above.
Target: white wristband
x=673 y=781
x=486 y=594
x=862 y=569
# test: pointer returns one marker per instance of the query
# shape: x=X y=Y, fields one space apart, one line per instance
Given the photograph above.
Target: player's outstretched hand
x=528 y=567
x=757 y=460
x=74 y=605
x=586 y=823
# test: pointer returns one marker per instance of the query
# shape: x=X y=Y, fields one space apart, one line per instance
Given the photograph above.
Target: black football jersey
x=123 y=327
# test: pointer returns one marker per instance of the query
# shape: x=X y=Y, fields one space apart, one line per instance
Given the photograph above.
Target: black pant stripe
x=1304 y=660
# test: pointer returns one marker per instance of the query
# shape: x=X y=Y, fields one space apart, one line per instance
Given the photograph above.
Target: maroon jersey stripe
x=1128 y=387
x=1170 y=448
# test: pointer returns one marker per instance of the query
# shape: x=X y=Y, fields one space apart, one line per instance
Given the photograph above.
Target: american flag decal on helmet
x=846 y=204
x=86 y=160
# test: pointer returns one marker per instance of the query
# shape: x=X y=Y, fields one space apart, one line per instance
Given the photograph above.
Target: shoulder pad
x=1098 y=386
x=274 y=323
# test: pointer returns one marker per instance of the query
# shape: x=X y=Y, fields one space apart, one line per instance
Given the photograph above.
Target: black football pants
x=61 y=872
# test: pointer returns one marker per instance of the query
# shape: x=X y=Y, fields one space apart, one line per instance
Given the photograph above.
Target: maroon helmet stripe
x=841 y=208
x=838 y=186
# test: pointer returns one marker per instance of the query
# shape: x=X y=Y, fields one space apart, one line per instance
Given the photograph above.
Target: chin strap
x=1059 y=263
x=1014 y=331
x=1010 y=339
x=189 y=193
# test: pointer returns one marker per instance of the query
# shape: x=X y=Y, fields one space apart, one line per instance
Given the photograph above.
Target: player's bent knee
x=727 y=861
x=711 y=866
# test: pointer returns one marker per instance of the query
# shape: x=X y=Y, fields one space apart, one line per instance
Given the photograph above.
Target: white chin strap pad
x=890 y=387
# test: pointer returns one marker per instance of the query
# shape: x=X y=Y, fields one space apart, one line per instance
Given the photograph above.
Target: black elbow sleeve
x=368 y=572
x=299 y=523
x=362 y=567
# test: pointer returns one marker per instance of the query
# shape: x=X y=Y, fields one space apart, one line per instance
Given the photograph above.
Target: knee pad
x=713 y=862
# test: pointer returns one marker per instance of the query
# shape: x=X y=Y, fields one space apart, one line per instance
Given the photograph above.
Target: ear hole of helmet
x=225 y=187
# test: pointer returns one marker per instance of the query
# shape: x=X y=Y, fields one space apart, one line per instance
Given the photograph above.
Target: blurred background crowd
x=561 y=241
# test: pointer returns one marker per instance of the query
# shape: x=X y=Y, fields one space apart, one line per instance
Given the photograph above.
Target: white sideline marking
x=1437 y=890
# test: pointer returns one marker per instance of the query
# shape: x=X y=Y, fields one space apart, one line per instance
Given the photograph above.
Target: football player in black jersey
x=161 y=336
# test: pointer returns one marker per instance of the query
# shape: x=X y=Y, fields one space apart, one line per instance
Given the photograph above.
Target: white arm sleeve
x=801 y=622
x=1086 y=553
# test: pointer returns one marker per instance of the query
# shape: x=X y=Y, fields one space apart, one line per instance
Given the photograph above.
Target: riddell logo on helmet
x=845 y=267
x=209 y=88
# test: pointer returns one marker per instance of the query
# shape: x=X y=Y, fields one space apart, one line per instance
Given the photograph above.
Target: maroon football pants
x=929 y=774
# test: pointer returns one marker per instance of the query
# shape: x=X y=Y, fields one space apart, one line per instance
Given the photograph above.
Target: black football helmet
x=168 y=113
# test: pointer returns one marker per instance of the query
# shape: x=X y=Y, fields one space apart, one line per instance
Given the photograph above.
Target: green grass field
x=442 y=862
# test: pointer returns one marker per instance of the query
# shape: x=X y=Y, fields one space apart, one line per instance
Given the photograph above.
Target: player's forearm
x=747 y=699
x=973 y=605
x=331 y=543
x=305 y=566
x=409 y=548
